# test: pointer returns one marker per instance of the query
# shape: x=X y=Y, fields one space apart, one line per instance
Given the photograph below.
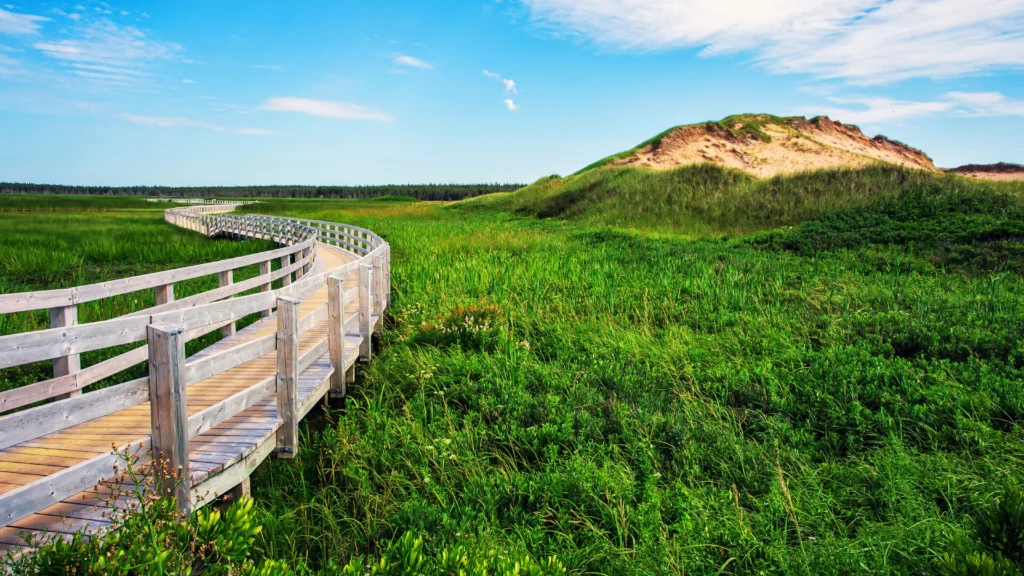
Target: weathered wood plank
x=287 y=377
x=229 y=407
x=364 y=311
x=28 y=499
x=35 y=422
x=209 y=366
x=168 y=416
x=336 y=333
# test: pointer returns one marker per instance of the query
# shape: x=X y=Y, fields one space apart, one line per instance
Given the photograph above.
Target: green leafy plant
x=998 y=546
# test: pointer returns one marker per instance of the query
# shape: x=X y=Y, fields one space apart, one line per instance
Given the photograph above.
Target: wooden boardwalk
x=242 y=396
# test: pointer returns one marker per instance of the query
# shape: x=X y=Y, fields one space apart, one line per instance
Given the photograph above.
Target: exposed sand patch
x=795 y=146
x=1001 y=171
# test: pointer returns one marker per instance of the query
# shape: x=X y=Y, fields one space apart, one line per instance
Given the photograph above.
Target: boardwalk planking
x=220 y=457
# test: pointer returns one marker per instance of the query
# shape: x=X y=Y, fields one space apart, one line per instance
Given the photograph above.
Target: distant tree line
x=418 y=191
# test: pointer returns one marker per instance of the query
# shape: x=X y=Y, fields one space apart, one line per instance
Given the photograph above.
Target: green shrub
x=998 y=548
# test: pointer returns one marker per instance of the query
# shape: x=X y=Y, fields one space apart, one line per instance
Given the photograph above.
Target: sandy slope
x=796 y=144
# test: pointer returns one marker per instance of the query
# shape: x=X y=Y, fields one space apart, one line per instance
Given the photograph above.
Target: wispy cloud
x=274 y=67
x=12 y=23
x=175 y=122
x=187 y=81
x=986 y=104
x=411 y=62
x=875 y=110
x=108 y=52
x=862 y=41
x=325 y=108
x=510 y=85
x=9 y=66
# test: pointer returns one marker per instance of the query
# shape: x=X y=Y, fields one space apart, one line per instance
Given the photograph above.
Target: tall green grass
x=707 y=199
x=839 y=397
x=638 y=404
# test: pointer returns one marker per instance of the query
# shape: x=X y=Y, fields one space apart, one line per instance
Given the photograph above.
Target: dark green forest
x=418 y=191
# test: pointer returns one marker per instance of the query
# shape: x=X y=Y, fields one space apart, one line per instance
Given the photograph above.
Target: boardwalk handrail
x=169 y=324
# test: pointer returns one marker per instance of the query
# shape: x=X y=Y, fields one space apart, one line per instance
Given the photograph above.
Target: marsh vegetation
x=688 y=371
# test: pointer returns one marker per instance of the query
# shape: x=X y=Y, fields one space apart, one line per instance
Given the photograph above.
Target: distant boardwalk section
x=216 y=414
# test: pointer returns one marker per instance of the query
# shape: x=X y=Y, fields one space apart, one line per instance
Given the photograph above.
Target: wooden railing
x=168 y=325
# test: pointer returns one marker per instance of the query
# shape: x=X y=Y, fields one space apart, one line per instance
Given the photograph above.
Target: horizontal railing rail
x=166 y=326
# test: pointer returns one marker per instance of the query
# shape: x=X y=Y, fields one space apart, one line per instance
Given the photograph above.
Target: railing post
x=286 y=261
x=364 y=311
x=61 y=318
x=287 y=377
x=302 y=269
x=387 y=276
x=378 y=291
x=225 y=278
x=264 y=270
x=336 y=333
x=168 y=410
x=164 y=294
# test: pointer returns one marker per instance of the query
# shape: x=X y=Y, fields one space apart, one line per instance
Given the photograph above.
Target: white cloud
x=11 y=23
x=510 y=85
x=274 y=67
x=864 y=41
x=875 y=110
x=986 y=104
x=75 y=17
x=174 y=122
x=412 y=62
x=341 y=110
x=187 y=81
x=109 y=53
x=8 y=66
x=512 y=106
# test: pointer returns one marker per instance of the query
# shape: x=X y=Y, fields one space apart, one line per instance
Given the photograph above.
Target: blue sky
x=227 y=92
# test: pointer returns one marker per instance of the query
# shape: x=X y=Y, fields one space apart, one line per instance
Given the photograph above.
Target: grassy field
x=818 y=374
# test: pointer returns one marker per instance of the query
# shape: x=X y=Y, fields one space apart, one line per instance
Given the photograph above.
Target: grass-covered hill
x=706 y=199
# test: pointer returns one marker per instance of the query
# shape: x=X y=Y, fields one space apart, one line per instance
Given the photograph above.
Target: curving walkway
x=220 y=458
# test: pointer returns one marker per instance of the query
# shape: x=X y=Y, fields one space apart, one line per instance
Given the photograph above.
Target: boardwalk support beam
x=286 y=261
x=163 y=294
x=226 y=278
x=378 y=292
x=65 y=365
x=364 y=311
x=287 y=377
x=169 y=410
x=264 y=270
x=336 y=334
